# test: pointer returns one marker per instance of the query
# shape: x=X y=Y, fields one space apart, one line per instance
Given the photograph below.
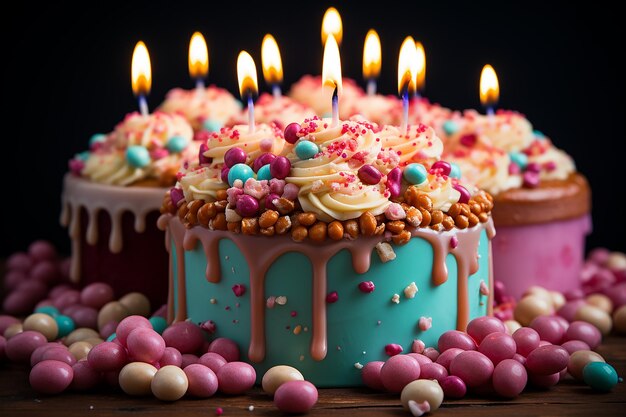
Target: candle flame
x=420 y=75
x=371 y=55
x=246 y=74
x=407 y=66
x=489 y=87
x=331 y=25
x=331 y=65
x=198 y=56
x=141 y=71
x=270 y=61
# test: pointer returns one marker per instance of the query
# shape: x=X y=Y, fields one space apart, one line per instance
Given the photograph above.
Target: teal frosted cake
x=326 y=247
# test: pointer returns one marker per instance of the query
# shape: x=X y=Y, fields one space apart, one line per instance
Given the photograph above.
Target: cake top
x=142 y=150
x=318 y=181
x=309 y=91
x=280 y=110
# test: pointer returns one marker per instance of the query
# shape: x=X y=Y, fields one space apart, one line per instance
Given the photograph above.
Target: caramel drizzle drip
x=260 y=256
x=93 y=197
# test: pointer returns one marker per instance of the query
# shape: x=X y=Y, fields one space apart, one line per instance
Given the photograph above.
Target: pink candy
x=22 y=345
x=226 y=348
x=370 y=374
x=455 y=339
x=184 y=336
x=509 y=378
x=202 y=381
x=41 y=250
x=145 y=345
x=107 y=356
x=96 y=295
x=453 y=387
x=398 y=371
x=367 y=286
x=548 y=328
x=547 y=360
x=474 y=368
x=129 y=324
x=433 y=371
x=51 y=377
x=585 y=332
x=85 y=377
x=212 y=360
x=526 y=339
x=171 y=356
x=295 y=397
x=236 y=377
x=446 y=357
x=498 y=347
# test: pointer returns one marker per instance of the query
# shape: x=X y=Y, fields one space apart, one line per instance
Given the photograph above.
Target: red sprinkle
x=454 y=242
x=239 y=290
x=367 y=286
x=332 y=297
x=219 y=411
x=393 y=349
x=293 y=313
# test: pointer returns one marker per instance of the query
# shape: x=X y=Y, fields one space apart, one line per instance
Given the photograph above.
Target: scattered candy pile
x=77 y=339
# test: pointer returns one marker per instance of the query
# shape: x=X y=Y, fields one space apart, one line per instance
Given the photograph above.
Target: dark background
x=66 y=75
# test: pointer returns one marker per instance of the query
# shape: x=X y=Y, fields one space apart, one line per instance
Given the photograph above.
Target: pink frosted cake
x=111 y=199
x=542 y=204
x=326 y=247
x=308 y=91
x=280 y=111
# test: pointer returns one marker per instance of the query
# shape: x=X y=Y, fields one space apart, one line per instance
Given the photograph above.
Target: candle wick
x=276 y=92
x=199 y=84
x=371 y=86
x=335 y=100
x=405 y=111
x=490 y=111
x=251 y=126
x=143 y=105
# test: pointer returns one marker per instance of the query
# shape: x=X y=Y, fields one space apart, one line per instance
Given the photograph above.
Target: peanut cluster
x=289 y=218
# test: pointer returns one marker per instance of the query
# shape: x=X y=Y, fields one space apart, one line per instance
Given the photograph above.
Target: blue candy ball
x=159 y=324
x=83 y=156
x=600 y=376
x=455 y=171
x=176 y=144
x=264 y=173
x=97 y=138
x=66 y=325
x=137 y=156
x=538 y=134
x=519 y=158
x=111 y=337
x=239 y=172
x=415 y=173
x=49 y=310
x=450 y=127
x=211 y=125
x=306 y=149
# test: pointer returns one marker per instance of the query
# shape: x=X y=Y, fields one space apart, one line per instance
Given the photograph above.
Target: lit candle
x=407 y=63
x=420 y=73
x=141 y=75
x=272 y=64
x=371 y=60
x=198 y=59
x=331 y=74
x=248 y=86
x=331 y=25
x=489 y=89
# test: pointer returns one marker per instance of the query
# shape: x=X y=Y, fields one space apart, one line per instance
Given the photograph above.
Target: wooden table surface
x=569 y=398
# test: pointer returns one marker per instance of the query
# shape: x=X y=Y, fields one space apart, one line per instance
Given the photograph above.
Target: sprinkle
x=367 y=287
x=250 y=408
x=281 y=300
x=395 y=299
x=417 y=346
x=219 y=411
x=305 y=328
x=297 y=329
x=239 y=290
x=425 y=323
x=271 y=300
x=410 y=290
x=301 y=358
x=393 y=349
x=358 y=365
x=364 y=353
x=293 y=313
x=339 y=348
x=332 y=297
x=454 y=242
x=484 y=290
x=378 y=322
x=385 y=252
x=213 y=301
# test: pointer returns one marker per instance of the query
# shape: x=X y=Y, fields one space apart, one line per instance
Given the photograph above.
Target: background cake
x=327 y=259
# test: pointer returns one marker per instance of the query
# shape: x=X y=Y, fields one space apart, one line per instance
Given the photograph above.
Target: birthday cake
x=326 y=247
x=111 y=200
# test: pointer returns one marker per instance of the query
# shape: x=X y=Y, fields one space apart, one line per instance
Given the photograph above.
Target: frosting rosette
x=142 y=150
x=554 y=163
x=205 y=108
x=308 y=91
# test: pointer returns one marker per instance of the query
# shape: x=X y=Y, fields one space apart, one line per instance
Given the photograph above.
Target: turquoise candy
x=520 y=159
x=83 y=156
x=600 y=376
x=211 y=125
x=450 y=127
x=306 y=149
x=176 y=144
x=538 y=134
x=239 y=172
x=159 y=324
x=66 y=325
x=327 y=115
x=264 y=173
x=97 y=138
x=415 y=173
x=137 y=156
x=455 y=171
x=49 y=310
x=111 y=337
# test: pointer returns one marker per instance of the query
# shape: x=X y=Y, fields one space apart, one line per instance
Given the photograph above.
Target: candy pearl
x=398 y=371
x=137 y=156
x=263 y=159
x=51 y=377
x=112 y=311
x=188 y=359
x=235 y=156
x=107 y=356
x=84 y=317
x=526 y=340
x=530 y=307
x=65 y=325
x=446 y=357
x=569 y=309
x=291 y=132
x=596 y=317
x=498 y=347
x=455 y=339
x=80 y=350
x=280 y=167
x=600 y=376
x=305 y=149
x=277 y=376
x=579 y=359
x=212 y=360
x=453 y=387
x=240 y=172
x=202 y=381
x=544 y=381
x=441 y=167
x=43 y=324
x=202 y=159
x=549 y=328
x=530 y=179
x=455 y=171
x=370 y=375
x=145 y=345
x=394 y=182
x=425 y=395
x=509 y=378
x=369 y=175
x=224 y=174
x=586 y=332
x=135 y=378
x=415 y=173
x=295 y=397
x=159 y=324
x=98 y=294
x=176 y=144
x=619 y=319
x=519 y=158
x=226 y=348
x=450 y=127
x=184 y=336
x=247 y=206
x=211 y=125
x=433 y=371
x=264 y=173
x=169 y=383
x=269 y=205
x=482 y=326
x=465 y=196
x=546 y=360
x=236 y=377
x=19 y=347
x=572 y=346
x=97 y=138
x=474 y=368
x=85 y=378
x=45 y=271
x=130 y=323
